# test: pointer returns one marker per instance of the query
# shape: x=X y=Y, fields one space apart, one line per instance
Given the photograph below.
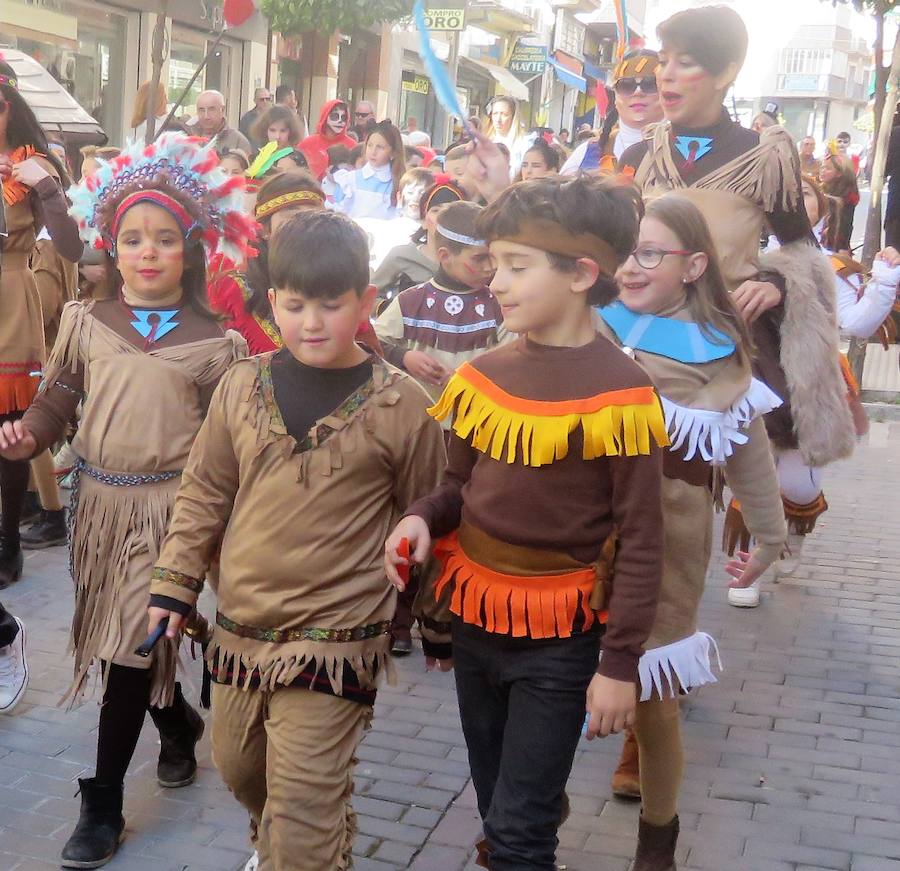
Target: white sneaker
x=744 y=597
x=13 y=671
x=252 y=862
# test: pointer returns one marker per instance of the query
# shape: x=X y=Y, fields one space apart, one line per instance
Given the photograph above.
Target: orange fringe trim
x=802 y=518
x=14 y=191
x=543 y=606
x=17 y=391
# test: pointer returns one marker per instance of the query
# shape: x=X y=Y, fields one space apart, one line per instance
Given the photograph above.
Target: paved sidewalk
x=793 y=758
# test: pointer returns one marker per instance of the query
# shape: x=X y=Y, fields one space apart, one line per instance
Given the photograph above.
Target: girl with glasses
x=675 y=317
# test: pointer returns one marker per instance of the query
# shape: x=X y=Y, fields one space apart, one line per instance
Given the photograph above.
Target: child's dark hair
x=715 y=36
x=320 y=254
x=604 y=207
x=459 y=218
x=356 y=153
x=548 y=153
x=194 y=278
x=338 y=154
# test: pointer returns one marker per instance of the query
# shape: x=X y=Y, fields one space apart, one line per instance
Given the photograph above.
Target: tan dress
x=142 y=410
x=713 y=417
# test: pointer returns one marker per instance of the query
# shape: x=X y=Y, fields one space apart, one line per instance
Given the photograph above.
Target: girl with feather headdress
x=144 y=363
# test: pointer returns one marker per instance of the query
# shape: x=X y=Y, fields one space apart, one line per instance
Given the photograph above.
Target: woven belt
x=299 y=633
x=124 y=479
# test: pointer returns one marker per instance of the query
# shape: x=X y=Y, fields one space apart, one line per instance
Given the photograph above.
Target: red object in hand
x=403 y=551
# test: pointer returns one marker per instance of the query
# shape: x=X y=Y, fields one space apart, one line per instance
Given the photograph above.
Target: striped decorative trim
x=300 y=633
x=450 y=328
x=167 y=576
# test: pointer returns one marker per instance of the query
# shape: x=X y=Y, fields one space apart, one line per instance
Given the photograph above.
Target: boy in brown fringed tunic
x=308 y=458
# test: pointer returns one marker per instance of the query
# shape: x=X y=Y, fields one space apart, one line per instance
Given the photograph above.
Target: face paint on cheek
x=699 y=76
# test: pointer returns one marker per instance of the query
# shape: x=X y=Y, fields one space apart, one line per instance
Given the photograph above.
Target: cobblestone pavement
x=792 y=757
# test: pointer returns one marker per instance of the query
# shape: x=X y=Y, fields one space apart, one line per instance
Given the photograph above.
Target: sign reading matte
x=528 y=60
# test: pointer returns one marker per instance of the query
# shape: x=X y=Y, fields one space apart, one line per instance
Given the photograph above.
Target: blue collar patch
x=693 y=148
x=145 y=320
x=683 y=341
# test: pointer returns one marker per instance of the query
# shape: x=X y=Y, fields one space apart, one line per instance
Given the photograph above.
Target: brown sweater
x=571 y=505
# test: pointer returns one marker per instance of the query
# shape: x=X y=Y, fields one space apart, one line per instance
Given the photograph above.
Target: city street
x=792 y=757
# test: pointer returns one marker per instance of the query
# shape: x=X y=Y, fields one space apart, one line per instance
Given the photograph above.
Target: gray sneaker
x=13 y=671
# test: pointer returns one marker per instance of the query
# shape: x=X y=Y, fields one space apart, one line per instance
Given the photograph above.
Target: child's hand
x=16 y=442
x=29 y=172
x=425 y=368
x=157 y=615
x=610 y=704
x=416 y=530
x=745 y=568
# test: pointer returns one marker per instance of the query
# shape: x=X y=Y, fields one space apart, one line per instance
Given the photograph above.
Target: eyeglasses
x=626 y=87
x=650 y=258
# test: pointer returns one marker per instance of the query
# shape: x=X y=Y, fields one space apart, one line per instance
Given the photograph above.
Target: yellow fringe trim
x=495 y=422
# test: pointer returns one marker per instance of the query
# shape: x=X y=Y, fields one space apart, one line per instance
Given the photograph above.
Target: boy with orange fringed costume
x=548 y=518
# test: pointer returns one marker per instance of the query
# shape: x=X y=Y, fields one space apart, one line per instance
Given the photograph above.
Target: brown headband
x=555 y=239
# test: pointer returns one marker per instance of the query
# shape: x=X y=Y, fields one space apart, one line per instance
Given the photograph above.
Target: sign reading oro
x=445 y=18
x=414 y=83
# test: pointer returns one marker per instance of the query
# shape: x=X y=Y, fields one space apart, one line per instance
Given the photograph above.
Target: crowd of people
x=510 y=427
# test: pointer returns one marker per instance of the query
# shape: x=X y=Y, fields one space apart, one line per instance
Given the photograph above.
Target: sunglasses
x=363 y=114
x=627 y=87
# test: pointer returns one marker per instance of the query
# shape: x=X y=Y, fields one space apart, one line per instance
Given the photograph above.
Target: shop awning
x=567 y=77
x=502 y=76
x=594 y=72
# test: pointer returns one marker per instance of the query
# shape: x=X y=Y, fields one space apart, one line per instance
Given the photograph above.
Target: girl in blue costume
x=371 y=191
x=674 y=316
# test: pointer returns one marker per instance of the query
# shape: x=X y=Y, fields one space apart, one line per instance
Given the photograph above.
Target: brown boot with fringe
x=626 y=781
x=656 y=847
x=483 y=859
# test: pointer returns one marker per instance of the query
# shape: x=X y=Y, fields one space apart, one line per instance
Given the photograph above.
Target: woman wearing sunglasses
x=331 y=130
x=636 y=106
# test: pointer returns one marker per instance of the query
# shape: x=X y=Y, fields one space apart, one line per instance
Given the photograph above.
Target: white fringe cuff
x=713 y=434
x=685 y=664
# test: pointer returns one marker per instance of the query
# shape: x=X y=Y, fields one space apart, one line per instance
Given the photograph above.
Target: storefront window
x=81 y=44
x=186 y=54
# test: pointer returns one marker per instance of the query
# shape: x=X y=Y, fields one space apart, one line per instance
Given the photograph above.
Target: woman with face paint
x=144 y=364
x=334 y=121
x=636 y=105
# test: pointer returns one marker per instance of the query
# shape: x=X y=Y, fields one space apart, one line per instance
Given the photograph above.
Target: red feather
x=602 y=99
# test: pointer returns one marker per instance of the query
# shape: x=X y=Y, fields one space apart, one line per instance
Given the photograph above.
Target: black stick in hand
x=147 y=647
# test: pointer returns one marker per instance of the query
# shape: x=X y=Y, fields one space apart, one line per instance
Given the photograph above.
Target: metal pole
x=453 y=71
x=157 y=56
x=187 y=88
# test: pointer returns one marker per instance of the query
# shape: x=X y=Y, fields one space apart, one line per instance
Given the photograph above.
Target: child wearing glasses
x=372 y=190
x=675 y=317
x=331 y=130
x=636 y=106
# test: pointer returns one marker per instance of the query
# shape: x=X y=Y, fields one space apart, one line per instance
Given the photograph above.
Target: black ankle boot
x=100 y=826
x=31 y=508
x=11 y=561
x=49 y=530
x=656 y=847
x=180 y=729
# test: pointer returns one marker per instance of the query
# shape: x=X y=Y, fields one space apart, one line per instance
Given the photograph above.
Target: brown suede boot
x=656 y=847
x=483 y=860
x=626 y=782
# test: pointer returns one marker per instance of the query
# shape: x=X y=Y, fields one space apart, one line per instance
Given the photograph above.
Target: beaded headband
x=187 y=164
x=276 y=204
x=458 y=237
x=158 y=198
x=9 y=81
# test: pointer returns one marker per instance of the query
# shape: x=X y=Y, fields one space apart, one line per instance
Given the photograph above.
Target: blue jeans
x=522 y=705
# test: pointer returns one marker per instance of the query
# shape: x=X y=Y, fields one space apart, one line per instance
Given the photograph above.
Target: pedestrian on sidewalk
x=549 y=520
x=675 y=315
x=298 y=442
x=32 y=181
x=144 y=364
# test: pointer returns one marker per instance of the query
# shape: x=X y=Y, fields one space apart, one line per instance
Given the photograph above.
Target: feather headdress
x=189 y=166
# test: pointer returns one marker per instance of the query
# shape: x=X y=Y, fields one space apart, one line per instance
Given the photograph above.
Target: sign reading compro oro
x=528 y=60
x=445 y=19
x=416 y=84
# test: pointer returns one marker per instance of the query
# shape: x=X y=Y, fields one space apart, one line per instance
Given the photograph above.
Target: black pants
x=522 y=705
x=9 y=629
